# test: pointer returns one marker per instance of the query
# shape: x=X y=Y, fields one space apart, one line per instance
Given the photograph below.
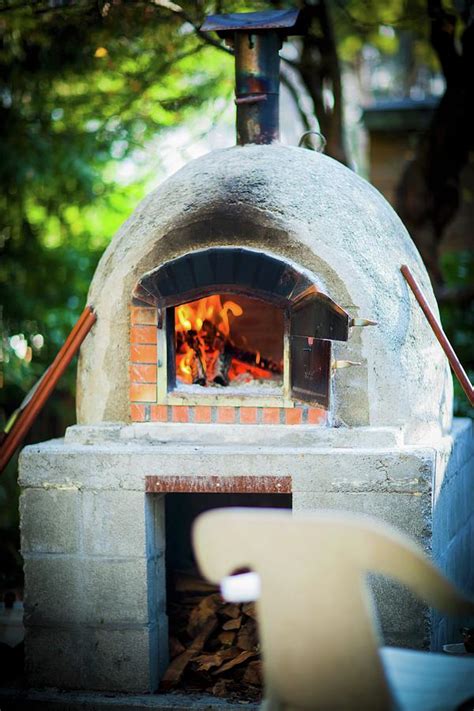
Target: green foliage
x=81 y=90
x=458 y=321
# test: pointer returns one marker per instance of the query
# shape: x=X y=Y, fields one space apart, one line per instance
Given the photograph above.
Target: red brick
x=143 y=354
x=248 y=415
x=293 y=416
x=226 y=415
x=180 y=413
x=143 y=334
x=316 y=416
x=142 y=393
x=271 y=415
x=202 y=413
x=137 y=413
x=142 y=316
x=159 y=413
x=143 y=373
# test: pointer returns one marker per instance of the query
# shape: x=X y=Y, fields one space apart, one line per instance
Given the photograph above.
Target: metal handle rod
x=32 y=409
x=454 y=361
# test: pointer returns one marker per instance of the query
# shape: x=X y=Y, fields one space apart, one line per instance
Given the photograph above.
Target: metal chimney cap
x=283 y=21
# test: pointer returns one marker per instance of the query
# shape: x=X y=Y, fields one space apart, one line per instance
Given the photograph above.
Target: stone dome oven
x=231 y=363
x=305 y=216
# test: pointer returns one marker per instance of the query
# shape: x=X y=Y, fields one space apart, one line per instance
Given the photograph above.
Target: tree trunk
x=428 y=194
x=319 y=70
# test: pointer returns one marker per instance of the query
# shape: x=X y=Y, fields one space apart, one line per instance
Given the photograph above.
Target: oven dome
x=315 y=213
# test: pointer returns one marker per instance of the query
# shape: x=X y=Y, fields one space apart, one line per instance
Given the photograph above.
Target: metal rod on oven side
x=34 y=404
x=454 y=361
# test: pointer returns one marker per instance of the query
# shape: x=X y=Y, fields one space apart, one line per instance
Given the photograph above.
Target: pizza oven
x=255 y=344
x=237 y=328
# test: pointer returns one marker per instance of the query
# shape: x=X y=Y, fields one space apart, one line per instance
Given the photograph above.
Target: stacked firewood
x=213 y=644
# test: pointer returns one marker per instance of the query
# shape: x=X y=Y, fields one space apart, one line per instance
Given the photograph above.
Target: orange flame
x=202 y=331
x=192 y=317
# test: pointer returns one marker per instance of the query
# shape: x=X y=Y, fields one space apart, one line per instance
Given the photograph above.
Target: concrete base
x=93 y=541
x=52 y=700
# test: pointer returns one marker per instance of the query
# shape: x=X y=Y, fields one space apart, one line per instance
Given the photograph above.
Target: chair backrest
x=318 y=636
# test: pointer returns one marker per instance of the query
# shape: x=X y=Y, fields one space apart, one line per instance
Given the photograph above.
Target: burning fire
x=205 y=351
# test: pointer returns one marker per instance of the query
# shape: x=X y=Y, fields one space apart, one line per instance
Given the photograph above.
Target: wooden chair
x=320 y=645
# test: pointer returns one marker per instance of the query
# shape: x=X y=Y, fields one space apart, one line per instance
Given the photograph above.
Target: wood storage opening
x=214 y=646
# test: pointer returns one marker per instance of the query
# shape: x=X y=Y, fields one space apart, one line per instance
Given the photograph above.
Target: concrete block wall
x=395 y=487
x=93 y=539
x=95 y=591
x=453 y=523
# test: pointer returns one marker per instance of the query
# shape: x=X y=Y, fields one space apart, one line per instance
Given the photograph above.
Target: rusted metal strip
x=454 y=361
x=214 y=484
x=35 y=403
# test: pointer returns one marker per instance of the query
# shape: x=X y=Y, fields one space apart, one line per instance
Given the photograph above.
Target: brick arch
x=230 y=269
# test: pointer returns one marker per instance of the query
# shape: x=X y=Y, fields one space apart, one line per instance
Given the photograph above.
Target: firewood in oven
x=209 y=333
x=198 y=372
x=220 y=373
x=254 y=359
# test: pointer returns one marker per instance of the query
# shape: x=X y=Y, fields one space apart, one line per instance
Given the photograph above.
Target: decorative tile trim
x=207 y=414
x=212 y=484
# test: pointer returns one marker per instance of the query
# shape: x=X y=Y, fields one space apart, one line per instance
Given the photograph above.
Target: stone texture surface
x=308 y=209
x=54 y=656
x=53 y=591
x=53 y=700
x=50 y=520
x=111 y=660
x=410 y=512
x=114 y=523
x=85 y=657
x=124 y=465
x=453 y=523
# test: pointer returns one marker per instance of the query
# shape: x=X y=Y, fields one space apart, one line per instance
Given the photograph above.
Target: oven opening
x=228 y=341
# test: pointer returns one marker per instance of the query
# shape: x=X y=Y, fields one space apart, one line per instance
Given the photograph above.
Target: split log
x=173 y=674
x=227 y=638
x=231 y=610
x=203 y=611
x=249 y=609
x=232 y=624
x=254 y=673
x=205 y=662
x=176 y=647
x=222 y=365
x=240 y=659
x=247 y=638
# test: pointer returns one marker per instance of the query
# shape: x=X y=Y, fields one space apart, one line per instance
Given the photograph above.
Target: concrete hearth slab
x=53 y=700
x=276 y=435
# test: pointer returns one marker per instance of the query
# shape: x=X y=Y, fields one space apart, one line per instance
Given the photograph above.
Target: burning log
x=205 y=352
x=220 y=371
x=255 y=360
x=213 y=644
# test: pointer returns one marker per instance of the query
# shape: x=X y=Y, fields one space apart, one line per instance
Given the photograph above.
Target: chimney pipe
x=257 y=38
